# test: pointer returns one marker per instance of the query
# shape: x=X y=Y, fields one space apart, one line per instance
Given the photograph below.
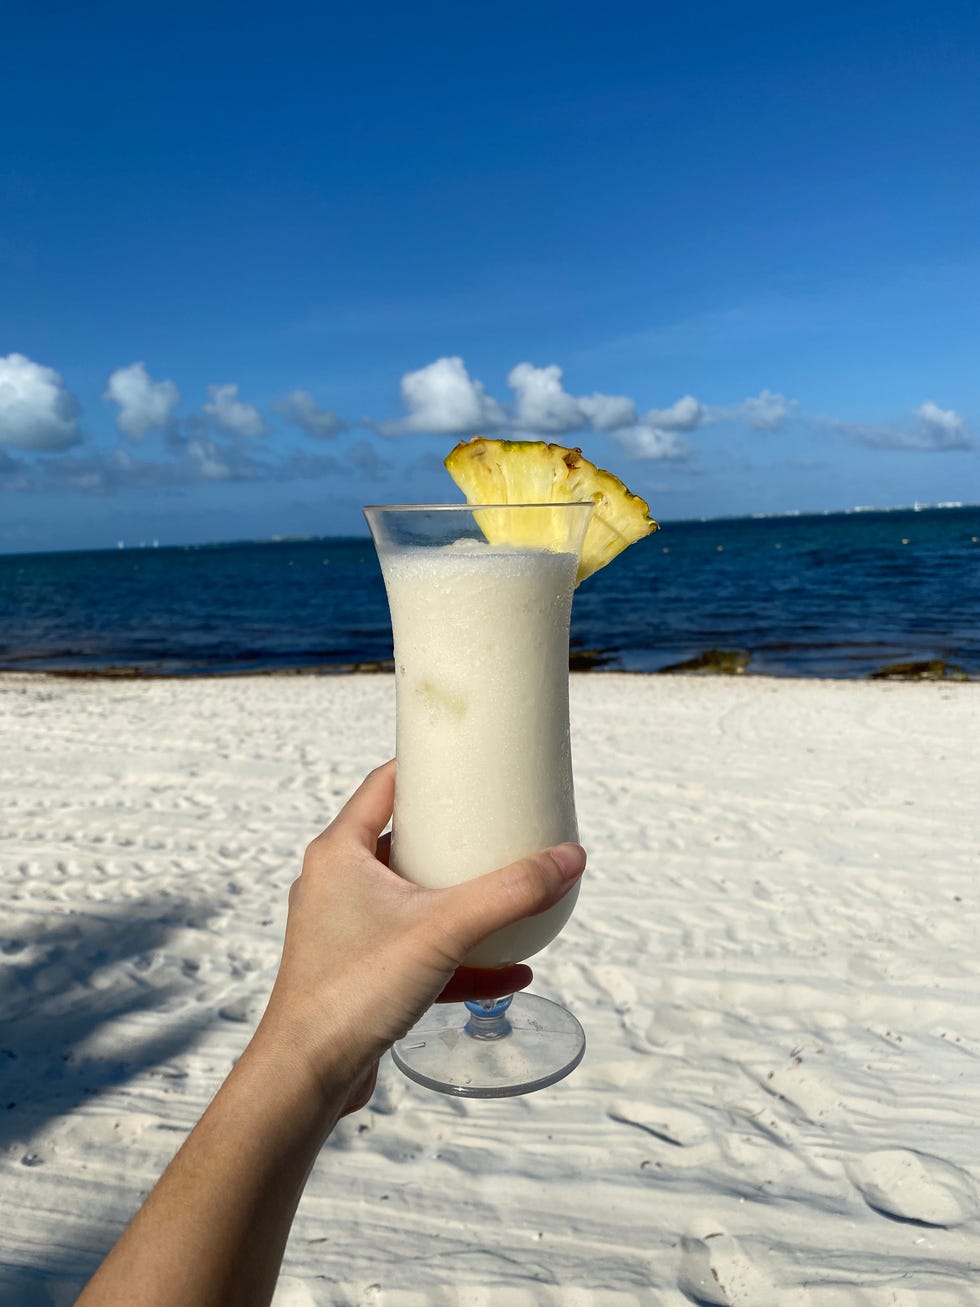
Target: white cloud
x=936 y=429
x=232 y=413
x=144 y=405
x=301 y=409
x=941 y=428
x=545 y=407
x=443 y=399
x=647 y=442
x=768 y=410
x=685 y=414
x=607 y=412
x=543 y=404
x=207 y=459
x=37 y=411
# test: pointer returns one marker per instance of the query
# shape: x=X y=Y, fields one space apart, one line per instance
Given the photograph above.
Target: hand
x=367 y=952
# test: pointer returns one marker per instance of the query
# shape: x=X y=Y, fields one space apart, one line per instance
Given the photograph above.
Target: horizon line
x=122 y=546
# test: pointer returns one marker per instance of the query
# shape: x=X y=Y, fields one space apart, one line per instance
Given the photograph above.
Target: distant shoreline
x=790 y=514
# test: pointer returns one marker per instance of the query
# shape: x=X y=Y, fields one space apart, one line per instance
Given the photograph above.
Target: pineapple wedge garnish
x=532 y=472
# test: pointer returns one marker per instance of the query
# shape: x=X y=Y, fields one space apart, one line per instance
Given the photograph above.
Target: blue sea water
x=834 y=595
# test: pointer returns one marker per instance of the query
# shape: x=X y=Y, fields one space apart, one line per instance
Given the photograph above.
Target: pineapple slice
x=532 y=472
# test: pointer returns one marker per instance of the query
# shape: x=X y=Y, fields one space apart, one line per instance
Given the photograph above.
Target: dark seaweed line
x=712 y=662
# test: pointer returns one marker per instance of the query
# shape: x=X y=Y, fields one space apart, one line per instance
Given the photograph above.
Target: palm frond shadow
x=61 y=985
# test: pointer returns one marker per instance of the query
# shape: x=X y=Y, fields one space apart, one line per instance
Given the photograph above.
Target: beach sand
x=775 y=958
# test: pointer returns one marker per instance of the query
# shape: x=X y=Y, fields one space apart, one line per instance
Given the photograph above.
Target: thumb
x=476 y=908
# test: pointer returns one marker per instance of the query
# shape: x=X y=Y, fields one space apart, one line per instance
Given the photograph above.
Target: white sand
x=775 y=957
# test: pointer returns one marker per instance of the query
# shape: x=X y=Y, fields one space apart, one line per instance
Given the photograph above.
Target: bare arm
x=365 y=954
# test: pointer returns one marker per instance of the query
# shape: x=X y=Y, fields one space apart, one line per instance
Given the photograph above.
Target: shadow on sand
x=60 y=985
x=62 y=1276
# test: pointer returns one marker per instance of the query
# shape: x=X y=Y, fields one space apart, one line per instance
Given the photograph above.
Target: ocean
x=830 y=595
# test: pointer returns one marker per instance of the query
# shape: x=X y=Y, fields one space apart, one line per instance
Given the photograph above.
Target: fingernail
x=570 y=859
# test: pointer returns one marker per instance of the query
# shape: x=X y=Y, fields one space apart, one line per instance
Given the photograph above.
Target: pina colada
x=484 y=761
x=480 y=598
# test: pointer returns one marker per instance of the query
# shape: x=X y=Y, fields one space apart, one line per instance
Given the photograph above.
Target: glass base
x=496 y=1049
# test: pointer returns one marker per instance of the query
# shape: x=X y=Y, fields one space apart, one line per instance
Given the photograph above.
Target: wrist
x=304 y=1095
x=319 y=1053
x=343 y=1028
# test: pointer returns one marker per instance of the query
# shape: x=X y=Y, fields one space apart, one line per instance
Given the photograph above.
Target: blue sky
x=261 y=265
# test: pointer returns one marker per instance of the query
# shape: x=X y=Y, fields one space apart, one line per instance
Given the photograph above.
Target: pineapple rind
x=533 y=472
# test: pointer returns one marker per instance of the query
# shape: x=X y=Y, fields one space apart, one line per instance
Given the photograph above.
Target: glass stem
x=488 y=1017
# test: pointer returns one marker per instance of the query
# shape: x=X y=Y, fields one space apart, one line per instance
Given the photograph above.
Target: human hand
x=367 y=952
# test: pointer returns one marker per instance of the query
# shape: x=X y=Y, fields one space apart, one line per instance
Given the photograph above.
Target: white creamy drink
x=484 y=760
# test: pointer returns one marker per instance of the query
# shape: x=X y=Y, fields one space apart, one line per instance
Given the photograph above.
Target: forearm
x=214 y=1228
